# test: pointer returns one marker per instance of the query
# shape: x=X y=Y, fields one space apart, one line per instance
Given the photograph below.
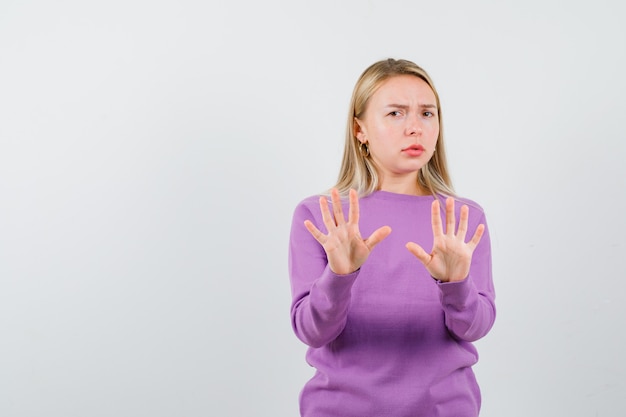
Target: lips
x=413 y=150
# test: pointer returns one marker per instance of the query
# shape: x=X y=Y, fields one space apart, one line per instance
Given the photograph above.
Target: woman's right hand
x=345 y=249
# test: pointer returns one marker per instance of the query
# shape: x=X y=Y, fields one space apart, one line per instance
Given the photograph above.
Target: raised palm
x=450 y=258
x=345 y=249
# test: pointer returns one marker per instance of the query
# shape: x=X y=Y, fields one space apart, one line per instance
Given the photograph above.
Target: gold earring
x=364 y=149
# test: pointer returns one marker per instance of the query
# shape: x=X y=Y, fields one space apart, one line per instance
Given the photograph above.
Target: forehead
x=404 y=89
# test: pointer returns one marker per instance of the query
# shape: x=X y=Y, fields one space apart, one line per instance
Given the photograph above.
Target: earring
x=364 y=149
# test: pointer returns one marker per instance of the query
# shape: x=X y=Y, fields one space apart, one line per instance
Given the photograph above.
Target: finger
x=435 y=215
x=377 y=237
x=337 y=209
x=450 y=218
x=319 y=236
x=326 y=216
x=353 y=214
x=462 y=232
x=419 y=252
x=480 y=230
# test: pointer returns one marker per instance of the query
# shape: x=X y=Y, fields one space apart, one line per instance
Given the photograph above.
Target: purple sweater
x=389 y=340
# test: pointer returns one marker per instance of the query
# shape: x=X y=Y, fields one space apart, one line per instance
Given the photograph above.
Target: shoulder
x=476 y=212
x=307 y=209
x=310 y=201
x=308 y=204
x=473 y=205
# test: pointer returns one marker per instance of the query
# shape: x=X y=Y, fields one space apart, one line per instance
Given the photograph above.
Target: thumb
x=377 y=237
x=419 y=252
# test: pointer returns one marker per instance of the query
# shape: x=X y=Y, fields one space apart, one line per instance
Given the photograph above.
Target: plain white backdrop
x=152 y=153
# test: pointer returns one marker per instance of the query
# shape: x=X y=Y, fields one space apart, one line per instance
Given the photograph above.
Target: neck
x=403 y=185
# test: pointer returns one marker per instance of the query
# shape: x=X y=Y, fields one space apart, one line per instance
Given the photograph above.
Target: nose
x=414 y=126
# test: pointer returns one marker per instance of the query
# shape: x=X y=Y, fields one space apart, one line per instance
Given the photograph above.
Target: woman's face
x=400 y=127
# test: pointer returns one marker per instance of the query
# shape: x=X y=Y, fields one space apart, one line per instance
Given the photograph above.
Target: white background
x=152 y=153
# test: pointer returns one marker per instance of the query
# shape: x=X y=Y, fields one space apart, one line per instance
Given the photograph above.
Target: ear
x=359 y=131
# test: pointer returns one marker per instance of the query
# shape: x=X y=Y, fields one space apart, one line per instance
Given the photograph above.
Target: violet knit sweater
x=388 y=340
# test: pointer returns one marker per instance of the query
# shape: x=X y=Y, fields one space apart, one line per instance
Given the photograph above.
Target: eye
x=428 y=114
x=394 y=113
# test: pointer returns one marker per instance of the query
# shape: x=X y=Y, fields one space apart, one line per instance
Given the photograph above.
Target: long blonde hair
x=358 y=171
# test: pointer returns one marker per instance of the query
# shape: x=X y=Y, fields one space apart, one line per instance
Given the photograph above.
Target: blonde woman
x=391 y=274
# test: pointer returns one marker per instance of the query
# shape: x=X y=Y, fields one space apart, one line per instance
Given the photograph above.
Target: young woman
x=390 y=324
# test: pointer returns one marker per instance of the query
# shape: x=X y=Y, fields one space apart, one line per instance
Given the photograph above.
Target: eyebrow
x=404 y=106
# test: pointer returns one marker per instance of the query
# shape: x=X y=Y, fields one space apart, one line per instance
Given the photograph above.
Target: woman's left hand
x=450 y=258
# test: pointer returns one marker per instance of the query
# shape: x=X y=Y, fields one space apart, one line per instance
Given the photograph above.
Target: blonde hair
x=358 y=171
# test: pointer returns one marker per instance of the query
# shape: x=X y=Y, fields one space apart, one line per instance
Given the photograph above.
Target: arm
x=320 y=298
x=463 y=271
x=323 y=267
x=469 y=305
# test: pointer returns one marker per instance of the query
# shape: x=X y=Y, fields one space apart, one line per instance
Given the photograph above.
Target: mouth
x=414 y=150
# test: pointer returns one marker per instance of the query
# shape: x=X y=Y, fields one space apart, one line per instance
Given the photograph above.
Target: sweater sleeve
x=469 y=305
x=320 y=298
